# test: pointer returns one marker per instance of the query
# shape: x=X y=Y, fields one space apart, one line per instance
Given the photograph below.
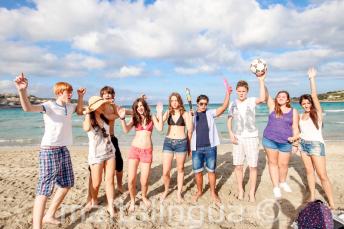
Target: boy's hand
x=21 y=82
x=81 y=91
x=262 y=75
x=234 y=139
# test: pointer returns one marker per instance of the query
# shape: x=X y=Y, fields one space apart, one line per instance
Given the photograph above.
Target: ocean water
x=20 y=128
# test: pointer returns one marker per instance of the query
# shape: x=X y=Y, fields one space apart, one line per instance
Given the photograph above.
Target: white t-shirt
x=58 y=124
x=244 y=117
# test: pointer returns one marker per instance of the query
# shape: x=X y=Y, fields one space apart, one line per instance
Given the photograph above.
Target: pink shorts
x=143 y=155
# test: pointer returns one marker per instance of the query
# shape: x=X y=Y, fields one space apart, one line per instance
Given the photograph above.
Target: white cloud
x=196 y=37
x=127 y=71
x=20 y=57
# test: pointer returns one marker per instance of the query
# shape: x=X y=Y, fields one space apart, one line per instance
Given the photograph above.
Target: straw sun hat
x=95 y=102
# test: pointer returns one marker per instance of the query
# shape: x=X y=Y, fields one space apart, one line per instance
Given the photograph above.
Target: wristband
x=121 y=118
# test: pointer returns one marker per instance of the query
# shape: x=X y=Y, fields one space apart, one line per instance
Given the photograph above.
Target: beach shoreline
x=19 y=173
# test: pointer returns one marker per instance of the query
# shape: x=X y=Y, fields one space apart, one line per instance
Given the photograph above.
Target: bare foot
x=241 y=195
x=196 y=197
x=252 y=198
x=216 y=200
x=131 y=208
x=180 y=199
x=163 y=196
x=110 y=211
x=120 y=189
x=51 y=220
x=147 y=202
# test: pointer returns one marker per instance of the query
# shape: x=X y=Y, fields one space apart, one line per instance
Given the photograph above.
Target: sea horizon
x=26 y=129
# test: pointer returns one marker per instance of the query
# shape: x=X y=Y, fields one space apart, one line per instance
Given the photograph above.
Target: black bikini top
x=180 y=121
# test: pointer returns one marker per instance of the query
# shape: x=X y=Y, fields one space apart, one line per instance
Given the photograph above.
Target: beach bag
x=315 y=215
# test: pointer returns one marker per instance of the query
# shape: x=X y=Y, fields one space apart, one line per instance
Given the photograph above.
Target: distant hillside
x=10 y=100
x=331 y=96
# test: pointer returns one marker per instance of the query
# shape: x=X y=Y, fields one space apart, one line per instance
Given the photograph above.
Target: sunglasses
x=203 y=104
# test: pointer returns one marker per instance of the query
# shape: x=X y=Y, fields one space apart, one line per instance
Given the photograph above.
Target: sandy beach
x=19 y=174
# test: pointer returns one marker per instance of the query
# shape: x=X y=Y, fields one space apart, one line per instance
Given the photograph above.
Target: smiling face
x=140 y=108
x=108 y=96
x=306 y=105
x=242 y=93
x=282 y=99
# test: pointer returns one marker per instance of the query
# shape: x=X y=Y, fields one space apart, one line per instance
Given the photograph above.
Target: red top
x=148 y=127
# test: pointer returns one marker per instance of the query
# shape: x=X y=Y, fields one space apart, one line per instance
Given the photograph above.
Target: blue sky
x=157 y=47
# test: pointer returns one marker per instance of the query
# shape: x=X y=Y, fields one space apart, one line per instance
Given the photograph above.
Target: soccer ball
x=258 y=67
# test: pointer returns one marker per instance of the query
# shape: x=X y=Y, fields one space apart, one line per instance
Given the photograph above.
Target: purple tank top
x=279 y=129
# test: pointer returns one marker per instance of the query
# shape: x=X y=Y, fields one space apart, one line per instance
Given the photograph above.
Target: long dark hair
x=180 y=101
x=137 y=119
x=313 y=114
x=95 y=124
x=278 y=110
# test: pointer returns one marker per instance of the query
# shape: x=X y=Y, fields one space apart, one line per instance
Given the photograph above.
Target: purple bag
x=315 y=215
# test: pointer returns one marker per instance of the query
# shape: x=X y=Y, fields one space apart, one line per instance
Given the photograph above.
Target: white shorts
x=246 y=147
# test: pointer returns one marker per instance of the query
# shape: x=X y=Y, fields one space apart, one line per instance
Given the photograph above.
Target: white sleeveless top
x=100 y=148
x=309 y=132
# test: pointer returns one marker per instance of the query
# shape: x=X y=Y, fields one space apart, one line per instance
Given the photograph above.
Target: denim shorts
x=312 y=148
x=175 y=145
x=282 y=147
x=204 y=155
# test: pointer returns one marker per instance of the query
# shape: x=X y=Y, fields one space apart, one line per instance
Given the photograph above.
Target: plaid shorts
x=246 y=147
x=55 y=166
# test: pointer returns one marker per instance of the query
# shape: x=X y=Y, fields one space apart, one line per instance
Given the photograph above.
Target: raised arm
x=126 y=127
x=262 y=91
x=79 y=108
x=311 y=75
x=157 y=120
x=86 y=125
x=21 y=85
x=270 y=102
x=225 y=103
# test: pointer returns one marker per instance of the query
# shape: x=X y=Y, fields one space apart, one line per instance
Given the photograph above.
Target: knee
x=323 y=177
x=166 y=174
x=180 y=169
x=273 y=163
x=131 y=182
x=238 y=167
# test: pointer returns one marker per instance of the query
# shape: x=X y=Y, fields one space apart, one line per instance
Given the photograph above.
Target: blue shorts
x=282 y=147
x=175 y=145
x=204 y=155
x=312 y=148
x=55 y=166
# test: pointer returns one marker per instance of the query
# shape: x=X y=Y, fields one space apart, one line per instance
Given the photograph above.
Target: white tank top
x=309 y=132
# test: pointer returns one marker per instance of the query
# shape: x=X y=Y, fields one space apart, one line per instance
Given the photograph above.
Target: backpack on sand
x=315 y=215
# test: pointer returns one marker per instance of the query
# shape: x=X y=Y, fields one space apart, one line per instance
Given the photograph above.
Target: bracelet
x=296 y=145
x=121 y=118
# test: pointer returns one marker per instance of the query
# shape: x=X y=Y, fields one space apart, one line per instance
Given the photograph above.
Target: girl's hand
x=21 y=82
x=121 y=112
x=312 y=72
x=234 y=139
x=159 y=108
x=295 y=150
